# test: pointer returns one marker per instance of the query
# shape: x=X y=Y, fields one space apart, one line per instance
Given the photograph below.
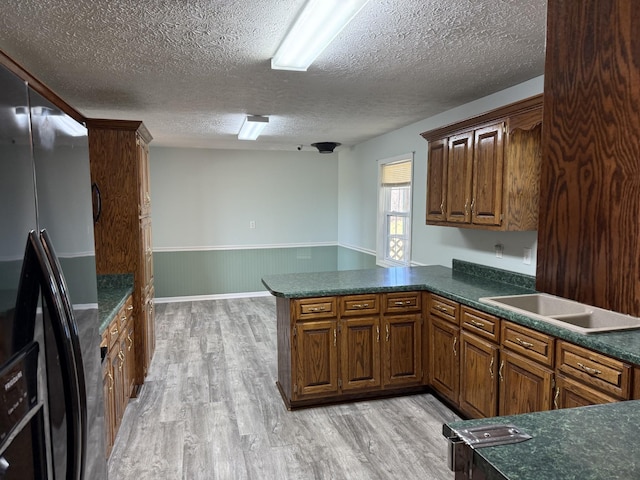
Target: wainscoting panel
x=213 y=272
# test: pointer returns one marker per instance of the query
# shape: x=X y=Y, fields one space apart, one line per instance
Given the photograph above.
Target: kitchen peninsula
x=331 y=326
x=334 y=345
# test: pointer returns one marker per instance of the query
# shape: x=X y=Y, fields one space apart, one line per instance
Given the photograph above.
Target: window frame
x=382 y=214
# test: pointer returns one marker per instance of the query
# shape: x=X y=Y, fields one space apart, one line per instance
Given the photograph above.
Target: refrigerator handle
x=96 y=196
x=60 y=325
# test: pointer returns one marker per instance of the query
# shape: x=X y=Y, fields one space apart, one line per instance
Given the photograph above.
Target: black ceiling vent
x=325 y=147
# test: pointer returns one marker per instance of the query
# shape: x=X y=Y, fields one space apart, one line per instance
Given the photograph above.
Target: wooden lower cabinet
x=148 y=332
x=130 y=357
x=402 y=350
x=109 y=407
x=571 y=393
x=478 y=376
x=444 y=360
x=525 y=386
x=340 y=348
x=360 y=354
x=118 y=370
x=317 y=358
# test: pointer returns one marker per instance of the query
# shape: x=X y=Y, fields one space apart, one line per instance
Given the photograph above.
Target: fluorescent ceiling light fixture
x=69 y=126
x=317 y=25
x=252 y=127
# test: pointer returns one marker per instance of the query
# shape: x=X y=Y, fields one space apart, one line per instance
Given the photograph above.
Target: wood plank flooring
x=210 y=409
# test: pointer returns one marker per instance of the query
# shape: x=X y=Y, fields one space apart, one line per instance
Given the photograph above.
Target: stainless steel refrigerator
x=49 y=340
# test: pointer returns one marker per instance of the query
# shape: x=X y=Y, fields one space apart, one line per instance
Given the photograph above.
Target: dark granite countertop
x=465 y=283
x=113 y=291
x=587 y=443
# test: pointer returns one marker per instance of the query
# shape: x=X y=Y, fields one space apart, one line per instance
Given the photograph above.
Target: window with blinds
x=394 y=211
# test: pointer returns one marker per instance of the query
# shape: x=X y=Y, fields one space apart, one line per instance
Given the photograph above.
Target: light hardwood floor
x=210 y=409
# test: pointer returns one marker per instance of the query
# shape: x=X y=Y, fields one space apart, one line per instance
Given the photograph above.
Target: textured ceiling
x=192 y=69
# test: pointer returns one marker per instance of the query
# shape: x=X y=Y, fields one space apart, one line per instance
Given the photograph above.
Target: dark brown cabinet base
x=335 y=349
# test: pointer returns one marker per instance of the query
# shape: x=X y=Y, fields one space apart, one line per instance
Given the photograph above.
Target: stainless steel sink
x=565 y=313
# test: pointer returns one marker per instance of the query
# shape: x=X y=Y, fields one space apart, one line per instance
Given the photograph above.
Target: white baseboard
x=221 y=296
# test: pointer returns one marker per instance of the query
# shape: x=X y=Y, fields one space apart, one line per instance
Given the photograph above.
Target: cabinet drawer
x=324 y=307
x=481 y=323
x=444 y=308
x=402 y=302
x=104 y=339
x=114 y=329
x=125 y=313
x=359 y=305
x=528 y=343
x=602 y=372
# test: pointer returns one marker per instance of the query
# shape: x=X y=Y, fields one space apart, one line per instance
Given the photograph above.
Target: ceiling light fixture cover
x=317 y=25
x=326 y=147
x=252 y=127
x=62 y=122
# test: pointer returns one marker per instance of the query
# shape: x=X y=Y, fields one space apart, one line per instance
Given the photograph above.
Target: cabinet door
x=437 y=181
x=360 y=353
x=316 y=358
x=570 y=393
x=123 y=394
x=146 y=255
x=478 y=376
x=149 y=330
x=444 y=361
x=109 y=407
x=130 y=354
x=459 y=178
x=143 y=175
x=402 y=357
x=116 y=370
x=525 y=386
x=488 y=159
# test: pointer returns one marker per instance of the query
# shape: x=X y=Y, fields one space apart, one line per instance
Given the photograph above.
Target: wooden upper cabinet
x=144 y=177
x=488 y=148
x=437 y=169
x=459 y=168
x=492 y=169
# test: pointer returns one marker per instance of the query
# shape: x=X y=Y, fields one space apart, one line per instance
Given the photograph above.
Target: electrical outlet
x=252 y=224
x=499 y=250
x=526 y=256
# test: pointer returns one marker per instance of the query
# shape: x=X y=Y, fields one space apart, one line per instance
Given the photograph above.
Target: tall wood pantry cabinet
x=588 y=242
x=119 y=157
